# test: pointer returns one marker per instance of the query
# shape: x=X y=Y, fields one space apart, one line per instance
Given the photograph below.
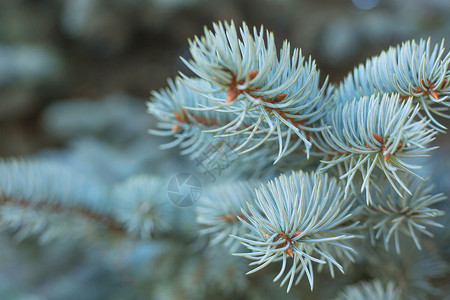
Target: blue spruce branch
x=416 y=70
x=269 y=107
x=391 y=215
x=219 y=211
x=293 y=220
x=368 y=131
x=374 y=290
x=192 y=129
x=34 y=195
x=376 y=132
x=140 y=205
x=271 y=97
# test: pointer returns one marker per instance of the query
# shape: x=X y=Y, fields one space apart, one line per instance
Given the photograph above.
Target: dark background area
x=70 y=49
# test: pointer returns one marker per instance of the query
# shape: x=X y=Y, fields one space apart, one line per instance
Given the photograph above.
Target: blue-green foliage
x=250 y=107
x=297 y=217
x=412 y=69
x=370 y=125
x=45 y=198
x=374 y=290
x=195 y=130
x=46 y=182
x=219 y=211
x=391 y=215
x=375 y=132
x=414 y=271
x=139 y=204
x=272 y=98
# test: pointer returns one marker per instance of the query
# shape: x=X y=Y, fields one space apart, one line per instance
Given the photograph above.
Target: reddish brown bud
x=290 y=251
x=179 y=117
x=378 y=138
x=433 y=93
x=297 y=233
x=232 y=93
x=252 y=74
x=280 y=97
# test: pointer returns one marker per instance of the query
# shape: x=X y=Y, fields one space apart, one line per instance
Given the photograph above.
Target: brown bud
x=252 y=74
x=290 y=251
x=378 y=138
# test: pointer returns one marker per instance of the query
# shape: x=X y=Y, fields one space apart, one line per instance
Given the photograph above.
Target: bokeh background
x=52 y=50
x=76 y=68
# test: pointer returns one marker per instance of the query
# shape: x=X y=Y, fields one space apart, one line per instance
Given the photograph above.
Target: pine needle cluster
x=314 y=171
x=370 y=131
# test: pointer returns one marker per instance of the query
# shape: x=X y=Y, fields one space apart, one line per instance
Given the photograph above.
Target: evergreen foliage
x=375 y=132
x=297 y=217
x=374 y=290
x=416 y=70
x=271 y=97
x=392 y=215
x=309 y=173
x=220 y=209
